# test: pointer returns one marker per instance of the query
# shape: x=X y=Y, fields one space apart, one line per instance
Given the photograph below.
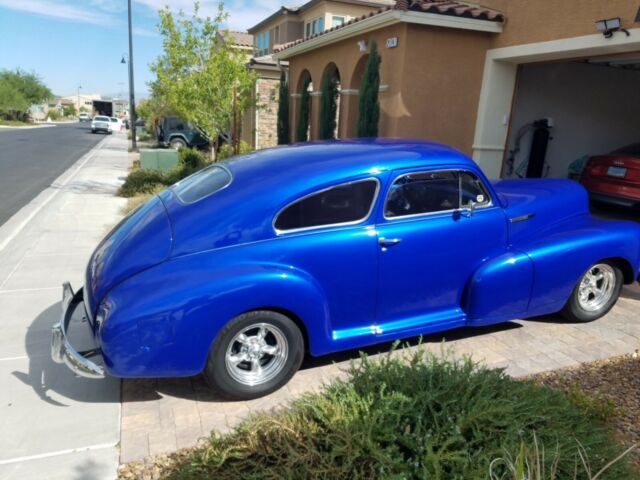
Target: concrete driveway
x=54 y=425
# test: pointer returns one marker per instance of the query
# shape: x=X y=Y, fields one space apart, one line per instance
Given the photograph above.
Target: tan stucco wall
x=530 y=21
x=430 y=81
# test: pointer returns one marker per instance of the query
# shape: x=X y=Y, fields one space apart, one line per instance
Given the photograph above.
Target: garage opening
x=566 y=112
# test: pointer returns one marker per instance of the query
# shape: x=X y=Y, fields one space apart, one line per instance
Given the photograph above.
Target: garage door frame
x=499 y=84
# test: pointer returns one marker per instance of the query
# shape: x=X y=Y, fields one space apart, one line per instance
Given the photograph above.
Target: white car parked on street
x=100 y=123
x=115 y=124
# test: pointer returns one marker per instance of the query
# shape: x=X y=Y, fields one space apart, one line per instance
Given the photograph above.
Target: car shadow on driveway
x=196 y=388
x=49 y=379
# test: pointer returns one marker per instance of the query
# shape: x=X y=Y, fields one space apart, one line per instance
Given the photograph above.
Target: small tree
x=201 y=76
x=302 y=131
x=369 y=113
x=283 y=111
x=328 y=107
x=18 y=91
x=69 y=111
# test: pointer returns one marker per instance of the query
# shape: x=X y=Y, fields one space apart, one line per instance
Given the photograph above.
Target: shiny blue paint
x=165 y=282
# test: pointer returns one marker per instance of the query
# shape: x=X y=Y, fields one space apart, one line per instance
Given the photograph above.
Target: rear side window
x=202 y=184
x=472 y=190
x=342 y=204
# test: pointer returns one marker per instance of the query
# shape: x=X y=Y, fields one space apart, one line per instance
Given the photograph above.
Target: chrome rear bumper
x=61 y=350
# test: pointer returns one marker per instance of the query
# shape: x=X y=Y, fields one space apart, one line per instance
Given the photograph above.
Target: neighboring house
x=293 y=23
x=477 y=77
x=83 y=101
x=288 y=25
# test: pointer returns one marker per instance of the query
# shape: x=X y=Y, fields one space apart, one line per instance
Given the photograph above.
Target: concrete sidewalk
x=54 y=425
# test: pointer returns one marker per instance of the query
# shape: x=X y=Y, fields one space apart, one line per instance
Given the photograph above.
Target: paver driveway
x=163 y=415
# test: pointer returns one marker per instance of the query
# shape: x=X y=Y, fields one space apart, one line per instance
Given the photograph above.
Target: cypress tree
x=328 y=107
x=283 y=111
x=303 y=117
x=369 y=113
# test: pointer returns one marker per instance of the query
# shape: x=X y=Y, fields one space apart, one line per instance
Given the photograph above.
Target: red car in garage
x=614 y=178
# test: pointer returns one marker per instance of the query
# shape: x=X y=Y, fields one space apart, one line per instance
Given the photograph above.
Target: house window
x=262 y=43
x=321 y=25
x=307 y=30
x=276 y=35
x=337 y=21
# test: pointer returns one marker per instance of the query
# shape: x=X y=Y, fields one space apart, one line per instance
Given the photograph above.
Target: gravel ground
x=613 y=385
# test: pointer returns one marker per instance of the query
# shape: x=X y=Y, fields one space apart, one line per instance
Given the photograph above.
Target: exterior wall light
x=362 y=45
x=610 y=26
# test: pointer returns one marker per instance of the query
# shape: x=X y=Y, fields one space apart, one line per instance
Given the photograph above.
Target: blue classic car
x=240 y=269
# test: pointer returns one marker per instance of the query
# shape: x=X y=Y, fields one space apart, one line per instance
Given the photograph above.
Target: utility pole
x=78 y=92
x=132 y=100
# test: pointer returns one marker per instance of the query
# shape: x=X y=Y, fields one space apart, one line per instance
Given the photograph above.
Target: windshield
x=629 y=150
x=202 y=184
x=114 y=119
x=101 y=119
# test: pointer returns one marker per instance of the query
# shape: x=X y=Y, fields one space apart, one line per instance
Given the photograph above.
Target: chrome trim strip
x=439 y=212
x=344 y=224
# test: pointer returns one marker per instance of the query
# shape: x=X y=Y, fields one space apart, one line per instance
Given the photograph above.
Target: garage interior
x=573 y=109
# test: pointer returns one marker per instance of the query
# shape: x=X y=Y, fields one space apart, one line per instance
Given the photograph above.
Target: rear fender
x=164 y=320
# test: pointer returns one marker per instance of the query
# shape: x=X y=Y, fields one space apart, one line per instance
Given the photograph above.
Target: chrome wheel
x=597 y=287
x=256 y=354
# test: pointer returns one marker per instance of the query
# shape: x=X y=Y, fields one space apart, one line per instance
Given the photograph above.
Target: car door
x=330 y=236
x=435 y=229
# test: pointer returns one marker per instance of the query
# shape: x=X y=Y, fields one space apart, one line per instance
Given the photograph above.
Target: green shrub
x=225 y=150
x=149 y=181
x=141 y=181
x=427 y=418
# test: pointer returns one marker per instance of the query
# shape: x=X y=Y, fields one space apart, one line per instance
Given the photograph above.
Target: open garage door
x=566 y=112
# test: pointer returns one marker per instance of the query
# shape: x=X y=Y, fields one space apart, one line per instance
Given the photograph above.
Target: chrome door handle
x=389 y=242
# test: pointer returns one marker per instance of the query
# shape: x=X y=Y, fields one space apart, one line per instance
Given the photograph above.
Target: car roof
x=343 y=159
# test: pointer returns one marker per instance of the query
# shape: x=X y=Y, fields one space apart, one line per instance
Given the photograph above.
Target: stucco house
x=478 y=77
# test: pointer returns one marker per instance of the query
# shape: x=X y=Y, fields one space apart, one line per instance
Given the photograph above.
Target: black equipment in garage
x=534 y=166
x=538 y=153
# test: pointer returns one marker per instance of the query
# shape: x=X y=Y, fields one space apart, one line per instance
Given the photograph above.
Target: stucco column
x=294 y=108
x=348 y=113
x=314 y=121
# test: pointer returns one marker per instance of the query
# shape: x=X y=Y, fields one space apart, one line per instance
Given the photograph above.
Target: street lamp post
x=132 y=100
x=79 y=87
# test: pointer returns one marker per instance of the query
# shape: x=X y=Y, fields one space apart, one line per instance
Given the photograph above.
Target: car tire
x=93 y=131
x=177 y=143
x=595 y=294
x=255 y=354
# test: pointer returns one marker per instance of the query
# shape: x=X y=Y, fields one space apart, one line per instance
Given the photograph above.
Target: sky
x=72 y=43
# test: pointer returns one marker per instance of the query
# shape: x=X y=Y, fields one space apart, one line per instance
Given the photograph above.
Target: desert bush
x=141 y=181
x=417 y=418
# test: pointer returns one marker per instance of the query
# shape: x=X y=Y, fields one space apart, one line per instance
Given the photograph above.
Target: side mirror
x=468 y=210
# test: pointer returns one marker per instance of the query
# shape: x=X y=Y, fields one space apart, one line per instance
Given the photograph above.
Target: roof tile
x=441 y=7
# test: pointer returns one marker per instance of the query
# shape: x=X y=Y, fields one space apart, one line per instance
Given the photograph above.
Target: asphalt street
x=31 y=159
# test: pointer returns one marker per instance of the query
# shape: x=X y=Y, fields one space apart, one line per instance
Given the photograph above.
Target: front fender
x=163 y=321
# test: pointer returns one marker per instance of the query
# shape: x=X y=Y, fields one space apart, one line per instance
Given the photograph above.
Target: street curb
x=19 y=220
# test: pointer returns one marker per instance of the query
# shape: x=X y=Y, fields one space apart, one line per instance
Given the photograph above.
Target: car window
x=629 y=150
x=472 y=190
x=102 y=119
x=114 y=119
x=435 y=191
x=342 y=204
x=202 y=184
x=424 y=192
